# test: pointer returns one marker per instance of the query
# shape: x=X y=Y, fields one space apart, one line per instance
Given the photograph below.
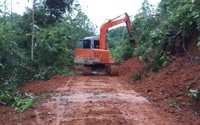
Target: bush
x=21 y=101
x=136 y=77
x=193 y=93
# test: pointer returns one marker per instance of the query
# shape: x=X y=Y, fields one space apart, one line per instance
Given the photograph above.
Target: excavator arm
x=113 y=22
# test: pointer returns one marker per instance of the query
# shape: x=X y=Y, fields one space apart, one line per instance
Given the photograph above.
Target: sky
x=98 y=11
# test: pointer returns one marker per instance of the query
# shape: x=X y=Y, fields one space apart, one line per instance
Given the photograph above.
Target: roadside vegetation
x=160 y=32
x=37 y=45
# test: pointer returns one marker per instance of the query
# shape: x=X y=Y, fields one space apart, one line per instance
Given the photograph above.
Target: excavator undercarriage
x=97 y=70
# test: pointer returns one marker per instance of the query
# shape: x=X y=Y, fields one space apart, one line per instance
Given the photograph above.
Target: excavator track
x=97 y=70
x=87 y=71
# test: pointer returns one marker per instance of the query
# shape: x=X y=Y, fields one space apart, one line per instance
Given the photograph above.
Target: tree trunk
x=5 y=9
x=33 y=33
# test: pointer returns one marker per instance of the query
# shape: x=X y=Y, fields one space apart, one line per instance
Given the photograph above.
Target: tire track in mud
x=55 y=108
x=101 y=100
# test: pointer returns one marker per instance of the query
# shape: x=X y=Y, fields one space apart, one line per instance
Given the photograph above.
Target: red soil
x=167 y=91
x=169 y=85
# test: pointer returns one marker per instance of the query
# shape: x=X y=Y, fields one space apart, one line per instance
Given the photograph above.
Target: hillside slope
x=168 y=88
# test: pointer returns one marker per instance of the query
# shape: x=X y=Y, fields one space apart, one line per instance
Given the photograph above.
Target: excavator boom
x=113 y=22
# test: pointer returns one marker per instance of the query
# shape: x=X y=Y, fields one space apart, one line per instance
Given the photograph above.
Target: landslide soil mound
x=168 y=88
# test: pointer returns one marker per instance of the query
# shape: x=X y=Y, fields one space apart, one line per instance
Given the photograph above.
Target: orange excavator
x=93 y=51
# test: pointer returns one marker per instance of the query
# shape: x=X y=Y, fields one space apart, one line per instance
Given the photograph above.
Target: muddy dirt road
x=106 y=100
x=97 y=100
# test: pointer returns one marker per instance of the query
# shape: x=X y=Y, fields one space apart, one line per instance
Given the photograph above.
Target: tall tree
x=57 y=8
x=33 y=32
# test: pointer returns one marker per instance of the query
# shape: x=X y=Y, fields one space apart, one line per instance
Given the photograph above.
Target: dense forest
x=40 y=43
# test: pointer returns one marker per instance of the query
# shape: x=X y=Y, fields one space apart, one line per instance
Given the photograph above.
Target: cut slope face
x=168 y=88
x=131 y=67
x=191 y=44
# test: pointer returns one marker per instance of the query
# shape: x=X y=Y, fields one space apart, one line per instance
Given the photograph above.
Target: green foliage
x=126 y=51
x=56 y=31
x=136 y=77
x=198 y=44
x=147 y=35
x=12 y=55
x=175 y=105
x=161 y=32
x=49 y=12
x=44 y=73
x=119 y=45
x=193 y=93
x=55 y=44
x=21 y=101
x=117 y=33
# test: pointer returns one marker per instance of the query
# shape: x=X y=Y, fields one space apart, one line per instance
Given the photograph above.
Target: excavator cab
x=88 y=43
x=87 y=52
x=94 y=59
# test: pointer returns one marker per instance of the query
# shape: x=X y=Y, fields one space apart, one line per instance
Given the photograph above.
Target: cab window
x=83 y=44
x=96 y=44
